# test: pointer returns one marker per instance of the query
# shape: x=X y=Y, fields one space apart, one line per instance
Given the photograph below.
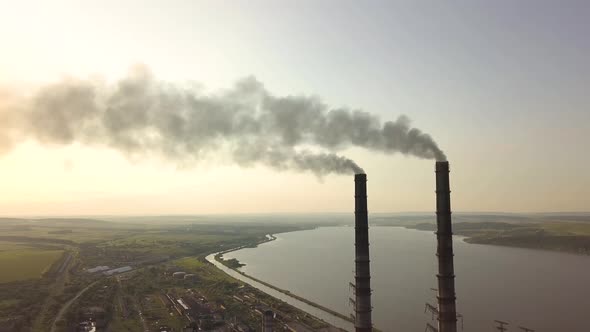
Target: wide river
x=542 y=290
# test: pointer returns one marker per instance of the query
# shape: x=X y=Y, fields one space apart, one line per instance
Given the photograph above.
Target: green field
x=23 y=264
x=189 y=263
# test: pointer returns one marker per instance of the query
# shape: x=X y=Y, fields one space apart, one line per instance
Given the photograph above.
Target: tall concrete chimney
x=362 y=322
x=447 y=313
x=268 y=321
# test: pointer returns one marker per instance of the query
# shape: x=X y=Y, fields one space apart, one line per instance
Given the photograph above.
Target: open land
x=94 y=275
x=151 y=274
x=22 y=264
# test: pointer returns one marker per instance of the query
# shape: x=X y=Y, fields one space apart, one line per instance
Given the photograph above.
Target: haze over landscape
x=162 y=162
x=502 y=95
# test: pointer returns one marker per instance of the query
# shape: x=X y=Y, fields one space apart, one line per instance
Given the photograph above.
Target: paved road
x=65 y=307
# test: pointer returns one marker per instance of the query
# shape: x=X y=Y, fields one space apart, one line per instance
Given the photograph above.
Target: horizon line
x=68 y=216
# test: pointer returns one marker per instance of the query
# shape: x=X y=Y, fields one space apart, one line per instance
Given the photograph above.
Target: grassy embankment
x=234 y=264
x=547 y=232
x=566 y=237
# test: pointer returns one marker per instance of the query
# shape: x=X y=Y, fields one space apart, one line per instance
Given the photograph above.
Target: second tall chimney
x=447 y=314
x=268 y=321
x=362 y=322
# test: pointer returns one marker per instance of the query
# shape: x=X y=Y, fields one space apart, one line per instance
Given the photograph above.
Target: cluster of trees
x=23 y=302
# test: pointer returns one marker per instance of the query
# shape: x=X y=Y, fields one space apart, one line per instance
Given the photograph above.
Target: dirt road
x=65 y=307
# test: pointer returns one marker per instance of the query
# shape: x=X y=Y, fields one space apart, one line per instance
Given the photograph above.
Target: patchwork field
x=25 y=263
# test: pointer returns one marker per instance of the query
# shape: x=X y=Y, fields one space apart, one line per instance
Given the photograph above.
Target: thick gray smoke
x=140 y=115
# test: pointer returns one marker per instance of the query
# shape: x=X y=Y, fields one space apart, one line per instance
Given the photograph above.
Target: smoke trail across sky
x=141 y=115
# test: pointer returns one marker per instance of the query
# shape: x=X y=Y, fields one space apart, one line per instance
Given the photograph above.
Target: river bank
x=288 y=293
x=318 y=265
x=404 y=270
x=568 y=237
x=270 y=237
x=328 y=315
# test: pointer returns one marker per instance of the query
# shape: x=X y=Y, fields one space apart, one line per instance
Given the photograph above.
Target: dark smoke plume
x=140 y=115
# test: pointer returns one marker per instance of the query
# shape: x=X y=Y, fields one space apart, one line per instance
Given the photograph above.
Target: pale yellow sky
x=514 y=122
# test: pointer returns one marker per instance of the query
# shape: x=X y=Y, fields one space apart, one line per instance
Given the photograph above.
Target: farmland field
x=26 y=263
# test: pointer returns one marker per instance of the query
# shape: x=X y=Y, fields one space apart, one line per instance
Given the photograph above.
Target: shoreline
x=572 y=244
x=297 y=297
x=218 y=258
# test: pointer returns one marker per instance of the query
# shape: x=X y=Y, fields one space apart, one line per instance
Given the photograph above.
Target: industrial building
x=118 y=270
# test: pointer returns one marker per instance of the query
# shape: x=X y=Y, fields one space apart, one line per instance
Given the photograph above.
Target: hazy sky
x=502 y=86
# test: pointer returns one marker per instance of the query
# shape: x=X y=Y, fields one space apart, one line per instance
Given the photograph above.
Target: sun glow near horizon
x=513 y=122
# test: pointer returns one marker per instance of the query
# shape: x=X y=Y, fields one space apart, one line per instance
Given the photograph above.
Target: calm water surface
x=542 y=290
